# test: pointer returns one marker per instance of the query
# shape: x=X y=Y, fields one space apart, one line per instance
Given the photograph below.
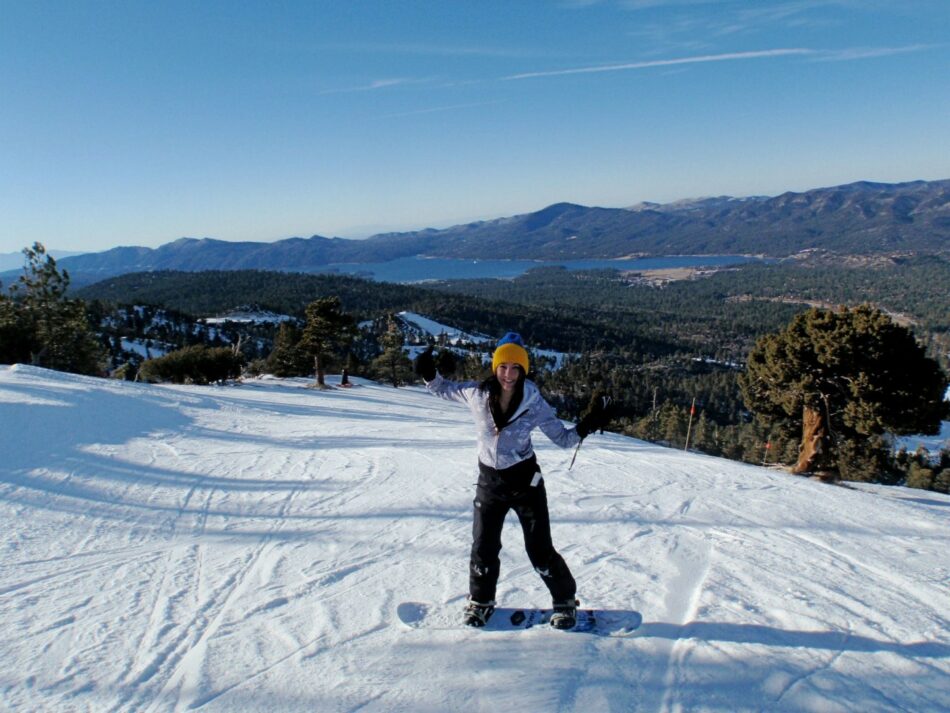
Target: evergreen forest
x=670 y=352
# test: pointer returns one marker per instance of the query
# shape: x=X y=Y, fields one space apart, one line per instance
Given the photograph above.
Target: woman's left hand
x=597 y=415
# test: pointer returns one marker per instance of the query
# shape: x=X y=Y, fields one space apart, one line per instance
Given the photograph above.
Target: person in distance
x=507 y=407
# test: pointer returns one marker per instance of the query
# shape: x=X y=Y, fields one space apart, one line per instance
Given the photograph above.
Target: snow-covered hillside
x=422 y=328
x=245 y=548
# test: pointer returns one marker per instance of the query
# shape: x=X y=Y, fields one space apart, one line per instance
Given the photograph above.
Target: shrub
x=196 y=364
x=920 y=477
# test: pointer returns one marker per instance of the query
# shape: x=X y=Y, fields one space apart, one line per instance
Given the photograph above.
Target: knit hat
x=510 y=349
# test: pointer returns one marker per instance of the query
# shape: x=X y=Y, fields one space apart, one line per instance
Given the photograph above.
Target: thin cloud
x=383 y=83
x=376 y=85
x=435 y=109
x=685 y=21
x=840 y=55
x=773 y=10
x=579 y=4
x=428 y=49
x=650 y=4
x=854 y=53
x=727 y=57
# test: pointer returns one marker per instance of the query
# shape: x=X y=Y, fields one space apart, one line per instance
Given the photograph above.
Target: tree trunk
x=814 y=451
x=318 y=371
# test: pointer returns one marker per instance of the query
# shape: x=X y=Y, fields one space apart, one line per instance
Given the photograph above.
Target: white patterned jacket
x=508 y=446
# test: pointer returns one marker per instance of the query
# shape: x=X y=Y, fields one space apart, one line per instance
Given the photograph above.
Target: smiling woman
x=506 y=408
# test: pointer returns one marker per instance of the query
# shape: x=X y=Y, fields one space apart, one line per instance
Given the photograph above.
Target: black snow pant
x=499 y=491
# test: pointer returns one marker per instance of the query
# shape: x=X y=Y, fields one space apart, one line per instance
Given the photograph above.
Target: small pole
x=689 y=428
x=574 y=457
x=765 y=457
x=653 y=422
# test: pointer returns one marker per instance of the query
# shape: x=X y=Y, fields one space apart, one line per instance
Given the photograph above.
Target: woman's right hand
x=425 y=365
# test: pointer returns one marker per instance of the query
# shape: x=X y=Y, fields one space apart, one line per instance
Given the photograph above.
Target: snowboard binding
x=564 y=614
x=477 y=614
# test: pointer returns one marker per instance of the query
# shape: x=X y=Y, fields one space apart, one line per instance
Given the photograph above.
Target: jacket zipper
x=499 y=430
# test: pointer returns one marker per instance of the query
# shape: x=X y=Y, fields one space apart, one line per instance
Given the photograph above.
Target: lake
x=418 y=269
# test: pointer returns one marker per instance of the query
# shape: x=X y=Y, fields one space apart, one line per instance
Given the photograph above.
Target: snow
x=933 y=443
x=249 y=317
x=558 y=358
x=138 y=346
x=245 y=548
x=453 y=335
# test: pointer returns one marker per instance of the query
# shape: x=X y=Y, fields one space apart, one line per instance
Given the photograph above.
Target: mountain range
x=858 y=218
x=14 y=261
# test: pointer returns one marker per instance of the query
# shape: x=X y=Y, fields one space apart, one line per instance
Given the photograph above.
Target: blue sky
x=137 y=123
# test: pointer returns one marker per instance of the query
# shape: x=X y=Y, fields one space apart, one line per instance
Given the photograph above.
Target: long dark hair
x=493 y=387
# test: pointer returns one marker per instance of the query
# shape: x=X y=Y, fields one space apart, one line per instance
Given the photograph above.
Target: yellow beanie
x=510 y=350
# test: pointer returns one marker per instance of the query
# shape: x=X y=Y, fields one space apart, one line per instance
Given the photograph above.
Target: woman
x=506 y=408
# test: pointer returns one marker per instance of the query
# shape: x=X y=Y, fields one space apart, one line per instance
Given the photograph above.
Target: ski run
x=246 y=548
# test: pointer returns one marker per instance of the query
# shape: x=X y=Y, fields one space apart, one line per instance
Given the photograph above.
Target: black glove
x=425 y=365
x=596 y=417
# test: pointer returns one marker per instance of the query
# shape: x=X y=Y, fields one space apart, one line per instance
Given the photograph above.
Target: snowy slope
x=437 y=329
x=245 y=548
x=431 y=328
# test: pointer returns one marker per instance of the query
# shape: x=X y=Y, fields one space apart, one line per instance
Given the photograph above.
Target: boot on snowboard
x=477 y=614
x=564 y=614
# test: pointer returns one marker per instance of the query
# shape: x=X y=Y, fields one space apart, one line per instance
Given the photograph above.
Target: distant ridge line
x=863 y=218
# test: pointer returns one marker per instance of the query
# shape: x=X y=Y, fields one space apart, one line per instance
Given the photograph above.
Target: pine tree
x=474 y=367
x=729 y=437
x=847 y=376
x=16 y=337
x=673 y=425
x=702 y=438
x=393 y=365
x=327 y=332
x=286 y=358
x=39 y=324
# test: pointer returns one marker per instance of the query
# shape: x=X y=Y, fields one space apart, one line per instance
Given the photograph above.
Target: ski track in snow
x=245 y=548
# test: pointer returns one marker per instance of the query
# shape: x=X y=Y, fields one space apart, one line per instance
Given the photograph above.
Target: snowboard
x=600 y=622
